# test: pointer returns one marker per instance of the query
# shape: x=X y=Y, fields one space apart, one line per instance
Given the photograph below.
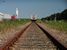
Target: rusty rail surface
x=11 y=41
x=57 y=43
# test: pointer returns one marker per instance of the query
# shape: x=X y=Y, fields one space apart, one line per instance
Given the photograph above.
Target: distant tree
x=58 y=16
x=64 y=14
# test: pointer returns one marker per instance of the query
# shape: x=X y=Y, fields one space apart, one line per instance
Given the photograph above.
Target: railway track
x=33 y=38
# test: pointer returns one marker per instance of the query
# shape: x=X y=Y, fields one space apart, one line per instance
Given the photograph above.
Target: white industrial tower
x=17 y=12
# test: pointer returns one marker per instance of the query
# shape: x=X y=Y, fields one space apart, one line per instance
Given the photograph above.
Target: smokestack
x=17 y=12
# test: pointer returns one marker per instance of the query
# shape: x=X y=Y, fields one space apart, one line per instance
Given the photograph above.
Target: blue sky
x=41 y=8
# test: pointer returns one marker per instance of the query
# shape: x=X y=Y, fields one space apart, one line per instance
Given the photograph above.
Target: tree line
x=57 y=16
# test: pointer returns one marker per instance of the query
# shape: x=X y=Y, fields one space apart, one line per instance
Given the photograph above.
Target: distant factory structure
x=33 y=17
x=4 y=16
x=17 y=12
x=8 y=16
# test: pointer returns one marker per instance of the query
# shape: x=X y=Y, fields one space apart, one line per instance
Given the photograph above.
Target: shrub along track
x=32 y=37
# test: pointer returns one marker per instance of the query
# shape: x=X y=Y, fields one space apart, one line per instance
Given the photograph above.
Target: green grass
x=60 y=25
x=8 y=24
x=39 y=21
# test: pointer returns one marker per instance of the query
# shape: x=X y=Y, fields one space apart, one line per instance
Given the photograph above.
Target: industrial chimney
x=17 y=12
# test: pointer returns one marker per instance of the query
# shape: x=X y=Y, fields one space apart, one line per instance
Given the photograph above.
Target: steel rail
x=57 y=43
x=10 y=42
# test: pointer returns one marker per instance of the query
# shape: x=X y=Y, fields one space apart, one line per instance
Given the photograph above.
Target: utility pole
x=55 y=18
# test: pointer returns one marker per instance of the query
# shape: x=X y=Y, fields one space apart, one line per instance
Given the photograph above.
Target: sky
x=27 y=8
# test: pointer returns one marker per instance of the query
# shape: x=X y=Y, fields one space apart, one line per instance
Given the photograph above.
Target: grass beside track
x=6 y=25
x=59 y=25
